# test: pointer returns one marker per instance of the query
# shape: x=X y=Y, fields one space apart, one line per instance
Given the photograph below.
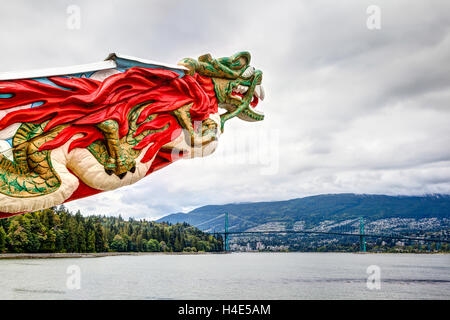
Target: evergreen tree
x=91 y=241
x=72 y=238
x=2 y=240
x=81 y=237
x=177 y=245
x=99 y=241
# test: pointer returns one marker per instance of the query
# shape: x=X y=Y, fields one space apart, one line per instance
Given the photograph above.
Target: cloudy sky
x=348 y=108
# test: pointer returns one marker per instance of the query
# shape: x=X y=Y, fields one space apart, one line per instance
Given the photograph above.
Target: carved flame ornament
x=70 y=133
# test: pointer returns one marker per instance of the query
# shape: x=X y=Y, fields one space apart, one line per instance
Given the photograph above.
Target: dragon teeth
x=240 y=89
x=243 y=89
x=259 y=92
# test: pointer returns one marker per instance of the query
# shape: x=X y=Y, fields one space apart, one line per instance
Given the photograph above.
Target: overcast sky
x=348 y=109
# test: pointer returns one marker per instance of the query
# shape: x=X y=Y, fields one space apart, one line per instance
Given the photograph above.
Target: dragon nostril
x=122 y=175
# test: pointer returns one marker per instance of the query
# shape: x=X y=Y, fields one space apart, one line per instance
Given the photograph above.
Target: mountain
x=321 y=210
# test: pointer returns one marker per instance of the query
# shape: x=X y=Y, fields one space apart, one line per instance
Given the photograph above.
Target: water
x=230 y=276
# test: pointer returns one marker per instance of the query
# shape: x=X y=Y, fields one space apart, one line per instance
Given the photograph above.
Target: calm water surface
x=230 y=276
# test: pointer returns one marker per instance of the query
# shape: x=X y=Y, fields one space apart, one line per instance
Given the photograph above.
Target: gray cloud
x=356 y=110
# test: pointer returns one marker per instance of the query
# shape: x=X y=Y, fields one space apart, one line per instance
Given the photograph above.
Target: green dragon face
x=237 y=84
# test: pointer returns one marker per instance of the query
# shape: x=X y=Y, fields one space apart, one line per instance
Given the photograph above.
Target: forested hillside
x=315 y=209
x=58 y=230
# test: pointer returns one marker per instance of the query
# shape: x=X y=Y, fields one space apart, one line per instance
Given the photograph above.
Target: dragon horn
x=207 y=66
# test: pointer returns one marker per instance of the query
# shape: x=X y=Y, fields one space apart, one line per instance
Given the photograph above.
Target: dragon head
x=237 y=84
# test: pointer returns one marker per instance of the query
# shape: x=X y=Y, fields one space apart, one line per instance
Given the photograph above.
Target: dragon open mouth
x=240 y=91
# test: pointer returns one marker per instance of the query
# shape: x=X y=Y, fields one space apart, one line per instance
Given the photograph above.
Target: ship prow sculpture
x=73 y=132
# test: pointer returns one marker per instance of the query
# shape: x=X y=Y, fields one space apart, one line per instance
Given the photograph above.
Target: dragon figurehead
x=71 y=135
x=237 y=84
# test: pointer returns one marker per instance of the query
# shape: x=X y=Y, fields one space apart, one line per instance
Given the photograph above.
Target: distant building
x=260 y=246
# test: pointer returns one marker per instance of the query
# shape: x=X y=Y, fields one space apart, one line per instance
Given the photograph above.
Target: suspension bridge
x=361 y=234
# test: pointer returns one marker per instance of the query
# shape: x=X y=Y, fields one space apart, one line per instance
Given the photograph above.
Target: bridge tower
x=227 y=247
x=362 y=238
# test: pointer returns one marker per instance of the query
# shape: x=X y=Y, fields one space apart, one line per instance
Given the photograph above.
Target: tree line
x=57 y=230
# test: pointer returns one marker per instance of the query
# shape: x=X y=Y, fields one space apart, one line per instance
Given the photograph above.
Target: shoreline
x=5 y=256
